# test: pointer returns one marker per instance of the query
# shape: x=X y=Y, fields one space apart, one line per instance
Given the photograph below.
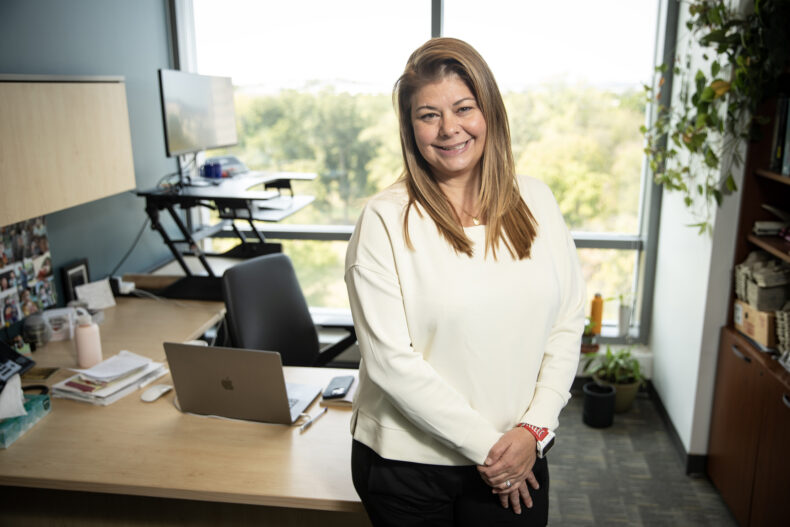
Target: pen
x=312 y=420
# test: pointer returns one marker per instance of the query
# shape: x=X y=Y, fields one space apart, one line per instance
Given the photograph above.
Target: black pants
x=399 y=493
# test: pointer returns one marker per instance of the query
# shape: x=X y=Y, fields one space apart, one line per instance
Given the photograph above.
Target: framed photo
x=73 y=275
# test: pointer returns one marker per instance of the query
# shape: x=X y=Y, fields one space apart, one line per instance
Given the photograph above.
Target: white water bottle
x=87 y=339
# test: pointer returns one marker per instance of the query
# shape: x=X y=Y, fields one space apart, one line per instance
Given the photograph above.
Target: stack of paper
x=111 y=379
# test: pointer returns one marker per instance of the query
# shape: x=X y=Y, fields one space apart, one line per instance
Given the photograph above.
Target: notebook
x=236 y=383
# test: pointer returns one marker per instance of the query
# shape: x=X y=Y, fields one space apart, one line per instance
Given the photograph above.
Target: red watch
x=543 y=436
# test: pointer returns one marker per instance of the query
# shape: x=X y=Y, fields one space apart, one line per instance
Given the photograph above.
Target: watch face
x=547 y=446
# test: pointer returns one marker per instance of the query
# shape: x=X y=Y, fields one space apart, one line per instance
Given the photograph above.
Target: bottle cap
x=83 y=317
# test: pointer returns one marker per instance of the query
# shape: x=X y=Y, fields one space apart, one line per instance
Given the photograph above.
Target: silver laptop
x=236 y=383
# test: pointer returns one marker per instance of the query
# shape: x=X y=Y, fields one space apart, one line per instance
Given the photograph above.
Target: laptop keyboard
x=292 y=402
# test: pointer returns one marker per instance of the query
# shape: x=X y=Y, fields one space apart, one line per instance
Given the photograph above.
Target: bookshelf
x=751 y=407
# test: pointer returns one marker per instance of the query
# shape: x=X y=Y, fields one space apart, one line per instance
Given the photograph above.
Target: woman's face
x=449 y=128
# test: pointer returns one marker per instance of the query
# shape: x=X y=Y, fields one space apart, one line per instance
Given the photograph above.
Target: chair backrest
x=266 y=309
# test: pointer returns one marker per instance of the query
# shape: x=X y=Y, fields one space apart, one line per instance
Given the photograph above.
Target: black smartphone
x=338 y=386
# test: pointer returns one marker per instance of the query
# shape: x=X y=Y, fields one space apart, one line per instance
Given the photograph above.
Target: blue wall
x=100 y=37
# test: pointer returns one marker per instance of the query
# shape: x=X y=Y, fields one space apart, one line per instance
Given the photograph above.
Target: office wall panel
x=65 y=143
x=99 y=37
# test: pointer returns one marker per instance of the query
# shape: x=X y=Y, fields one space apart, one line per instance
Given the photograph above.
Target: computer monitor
x=198 y=112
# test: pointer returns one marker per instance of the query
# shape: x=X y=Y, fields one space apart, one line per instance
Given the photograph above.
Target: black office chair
x=266 y=310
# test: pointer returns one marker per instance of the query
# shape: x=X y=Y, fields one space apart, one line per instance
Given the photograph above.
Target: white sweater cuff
x=544 y=410
x=478 y=443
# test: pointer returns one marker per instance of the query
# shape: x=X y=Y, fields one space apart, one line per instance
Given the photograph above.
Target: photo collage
x=26 y=279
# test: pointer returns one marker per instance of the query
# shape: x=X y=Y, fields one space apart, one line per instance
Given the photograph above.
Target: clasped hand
x=511 y=459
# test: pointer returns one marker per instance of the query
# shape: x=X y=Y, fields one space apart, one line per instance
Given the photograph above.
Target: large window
x=313 y=93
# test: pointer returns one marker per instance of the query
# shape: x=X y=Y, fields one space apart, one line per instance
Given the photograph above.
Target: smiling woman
x=453 y=334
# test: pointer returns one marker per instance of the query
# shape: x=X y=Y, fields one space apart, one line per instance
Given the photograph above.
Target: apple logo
x=227 y=383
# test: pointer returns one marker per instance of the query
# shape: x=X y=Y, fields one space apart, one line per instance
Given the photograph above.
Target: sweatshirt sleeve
x=561 y=356
x=410 y=382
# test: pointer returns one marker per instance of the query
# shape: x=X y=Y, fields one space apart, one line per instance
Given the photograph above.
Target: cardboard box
x=760 y=326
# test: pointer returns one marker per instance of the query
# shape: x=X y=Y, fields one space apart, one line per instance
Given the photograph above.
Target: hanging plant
x=694 y=146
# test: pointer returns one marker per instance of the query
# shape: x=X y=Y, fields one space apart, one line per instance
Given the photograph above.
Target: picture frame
x=74 y=274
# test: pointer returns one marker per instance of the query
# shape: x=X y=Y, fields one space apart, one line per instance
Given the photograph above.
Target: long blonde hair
x=507 y=216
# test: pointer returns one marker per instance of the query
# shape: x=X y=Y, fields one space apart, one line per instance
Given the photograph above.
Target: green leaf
x=715 y=68
x=711 y=159
x=730 y=184
x=696 y=142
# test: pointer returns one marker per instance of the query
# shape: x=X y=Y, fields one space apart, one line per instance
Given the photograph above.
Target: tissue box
x=37 y=406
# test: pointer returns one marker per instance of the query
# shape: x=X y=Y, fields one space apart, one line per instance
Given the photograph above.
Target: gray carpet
x=629 y=474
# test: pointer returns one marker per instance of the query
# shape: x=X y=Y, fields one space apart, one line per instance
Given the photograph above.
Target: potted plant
x=623 y=313
x=598 y=410
x=620 y=370
x=589 y=344
x=693 y=146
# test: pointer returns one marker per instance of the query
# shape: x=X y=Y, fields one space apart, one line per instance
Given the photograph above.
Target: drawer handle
x=786 y=400
x=740 y=355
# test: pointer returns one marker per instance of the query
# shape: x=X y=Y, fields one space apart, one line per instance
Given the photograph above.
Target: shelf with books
x=768 y=174
x=773 y=244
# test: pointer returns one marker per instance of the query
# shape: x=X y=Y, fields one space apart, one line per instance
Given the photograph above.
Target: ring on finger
x=507 y=484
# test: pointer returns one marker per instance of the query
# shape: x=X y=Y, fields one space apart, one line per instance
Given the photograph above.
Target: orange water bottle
x=596 y=313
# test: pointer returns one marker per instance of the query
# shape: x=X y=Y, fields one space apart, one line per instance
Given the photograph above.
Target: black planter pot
x=598 y=409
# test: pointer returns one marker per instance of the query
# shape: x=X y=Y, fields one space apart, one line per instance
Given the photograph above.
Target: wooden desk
x=112 y=454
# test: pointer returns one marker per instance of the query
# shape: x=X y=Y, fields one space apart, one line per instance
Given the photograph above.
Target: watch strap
x=544 y=437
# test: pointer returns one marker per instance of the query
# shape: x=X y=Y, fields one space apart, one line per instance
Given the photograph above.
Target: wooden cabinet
x=749 y=446
x=733 y=436
x=748 y=459
x=772 y=472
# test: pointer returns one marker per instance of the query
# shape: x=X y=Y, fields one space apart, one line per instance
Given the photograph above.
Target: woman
x=468 y=303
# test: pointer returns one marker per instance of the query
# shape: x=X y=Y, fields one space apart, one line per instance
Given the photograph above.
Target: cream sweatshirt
x=457 y=350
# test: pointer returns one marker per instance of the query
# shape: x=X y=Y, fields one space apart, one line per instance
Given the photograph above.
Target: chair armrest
x=330 y=352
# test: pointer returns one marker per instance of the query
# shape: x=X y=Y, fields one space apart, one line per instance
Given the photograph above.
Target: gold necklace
x=475 y=218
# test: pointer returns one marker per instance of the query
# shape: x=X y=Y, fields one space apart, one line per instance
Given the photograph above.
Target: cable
x=142 y=293
x=178 y=173
x=222 y=328
x=166 y=176
x=134 y=244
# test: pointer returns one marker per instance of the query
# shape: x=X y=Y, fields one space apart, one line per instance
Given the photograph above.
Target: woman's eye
x=427 y=116
x=464 y=109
